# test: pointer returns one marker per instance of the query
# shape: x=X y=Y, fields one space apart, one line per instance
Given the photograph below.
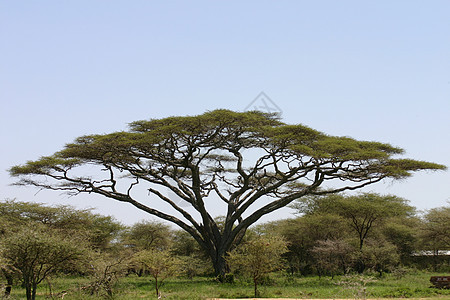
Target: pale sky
x=372 y=70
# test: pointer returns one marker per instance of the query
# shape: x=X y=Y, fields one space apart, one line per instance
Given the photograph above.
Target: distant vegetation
x=335 y=238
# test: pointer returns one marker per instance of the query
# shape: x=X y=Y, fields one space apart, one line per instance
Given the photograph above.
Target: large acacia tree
x=249 y=161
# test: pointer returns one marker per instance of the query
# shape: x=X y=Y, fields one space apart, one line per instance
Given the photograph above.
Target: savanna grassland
x=411 y=285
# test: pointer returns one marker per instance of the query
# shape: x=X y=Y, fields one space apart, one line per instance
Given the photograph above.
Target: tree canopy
x=436 y=228
x=363 y=211
x=237 y=157
x=36 y=253
x=98 y=230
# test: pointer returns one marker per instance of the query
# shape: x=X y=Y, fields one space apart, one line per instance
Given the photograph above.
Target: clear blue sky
x=372 y=70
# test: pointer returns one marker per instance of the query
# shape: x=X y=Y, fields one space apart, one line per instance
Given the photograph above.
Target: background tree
x=239 y=158
x=37 y=253
x=146 y=235
x=363 y=212
x=302 y=235
x=386 y=220
x=194 y=259
x=183 y=244
x=380 y=256
x=333 y=256
x=98 y=230
x=434 y=236
x=435 y=231
x=258 y=257
x=403 y=233
x=7 y=271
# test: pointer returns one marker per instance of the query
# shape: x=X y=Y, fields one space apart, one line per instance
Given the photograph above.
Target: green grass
x=414 y=285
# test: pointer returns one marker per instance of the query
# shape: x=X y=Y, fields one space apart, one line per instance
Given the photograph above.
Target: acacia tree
x=364 y=212
x=36 y=253
x=148 y=235
x=98 y=230
x=436 y=228
x=251 y=161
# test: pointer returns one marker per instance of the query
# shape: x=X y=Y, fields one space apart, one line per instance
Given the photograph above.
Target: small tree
x=357 y=284
x=159 y=263
x=380 y=256
x=98 y=231
x=192 y=266
x=258 y=257
x=105 y=271
x=37 y=253
x=332 y=256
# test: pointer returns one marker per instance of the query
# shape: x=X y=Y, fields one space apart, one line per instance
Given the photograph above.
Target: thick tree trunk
x=220 y=266
x=219 y=262
x=219 y=249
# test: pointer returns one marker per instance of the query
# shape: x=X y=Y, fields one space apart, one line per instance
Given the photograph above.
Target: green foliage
x=192 y=266
x=183 y=244
x=146 y=235
x=362 y=212
x=303 y=234
x=380 y=256
x=161 y=264
x=98 y=230
x=258 y=257
x=435 y=233
x=36 y=253
x=81 y=228
x=332 y=256
x=403 y=234
x=387 y=223
x=415 y=284
x=44 y=165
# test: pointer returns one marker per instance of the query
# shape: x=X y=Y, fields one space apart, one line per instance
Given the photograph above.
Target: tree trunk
x=360 y=265
x=255 y=281
x=9 y=283
x=50 y=288
x=33 y=291
x=28 y=290
x=220 y=265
